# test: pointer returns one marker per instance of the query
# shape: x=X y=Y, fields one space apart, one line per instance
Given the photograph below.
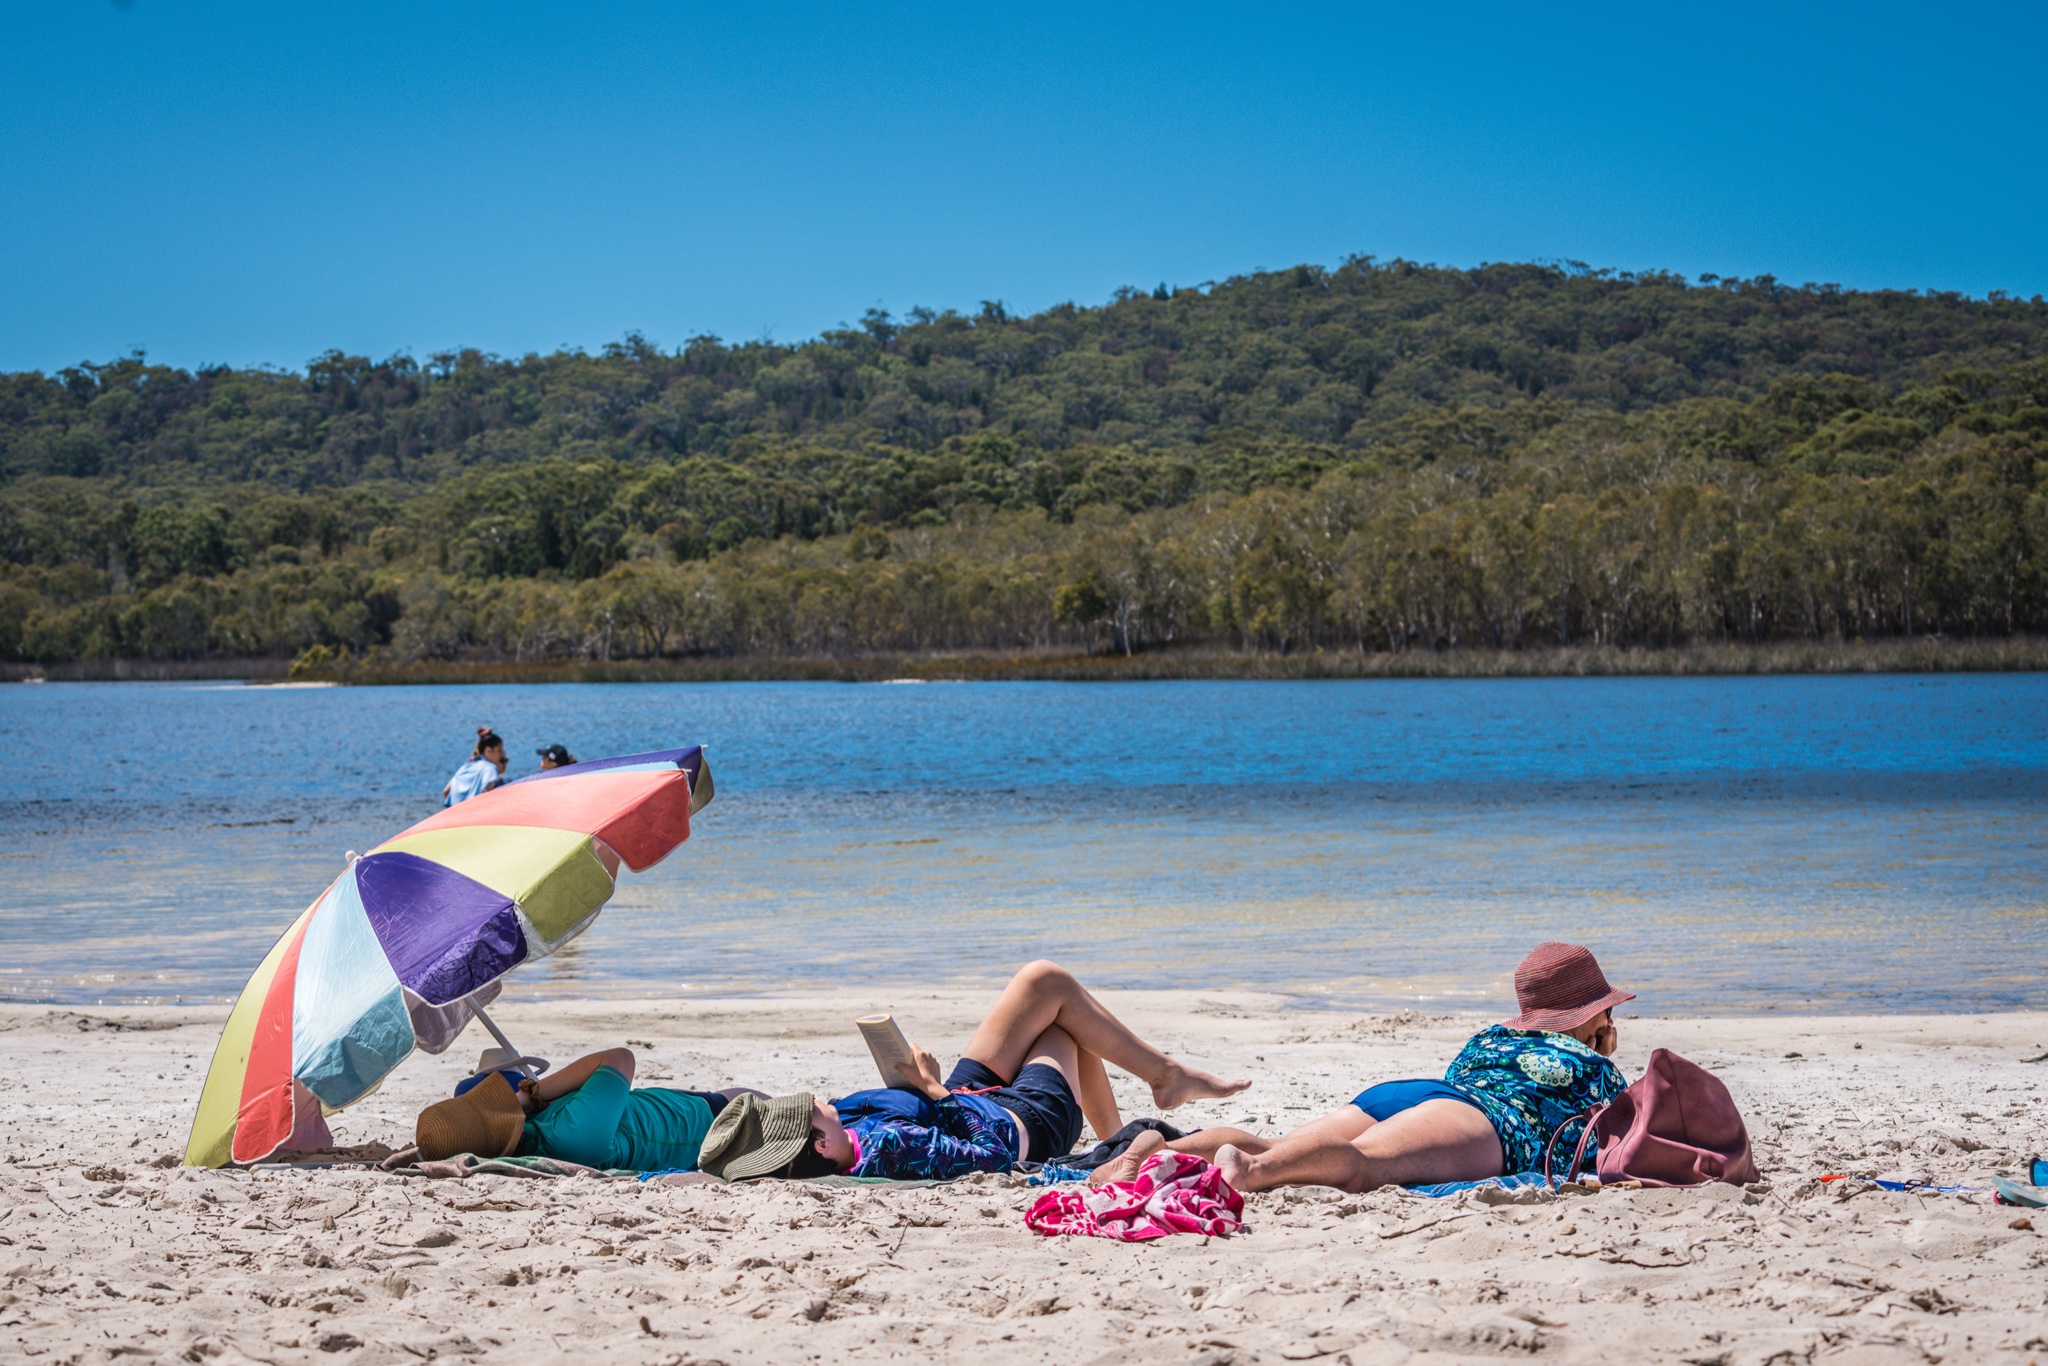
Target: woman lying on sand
x=1031 y=1072
x=588 y=1112
x=1505 y=1094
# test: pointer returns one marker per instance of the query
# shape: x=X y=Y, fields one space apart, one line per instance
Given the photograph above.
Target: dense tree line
x=1377 y=457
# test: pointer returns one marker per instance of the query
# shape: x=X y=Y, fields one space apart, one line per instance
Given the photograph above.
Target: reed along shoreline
x=2019 y=654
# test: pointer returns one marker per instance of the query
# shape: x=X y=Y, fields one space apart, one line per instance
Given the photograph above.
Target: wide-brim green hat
x=753 y=1137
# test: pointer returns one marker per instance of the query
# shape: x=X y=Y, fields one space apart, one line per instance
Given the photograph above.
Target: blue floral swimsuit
x=1530 y=1081
x=903 y=1136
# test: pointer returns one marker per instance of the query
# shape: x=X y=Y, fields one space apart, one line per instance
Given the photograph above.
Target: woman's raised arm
x=562 y=1081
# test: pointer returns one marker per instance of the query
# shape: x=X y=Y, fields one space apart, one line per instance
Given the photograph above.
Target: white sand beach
x=109 y=1250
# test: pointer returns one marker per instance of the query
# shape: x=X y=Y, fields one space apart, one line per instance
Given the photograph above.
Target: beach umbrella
x=408 y=944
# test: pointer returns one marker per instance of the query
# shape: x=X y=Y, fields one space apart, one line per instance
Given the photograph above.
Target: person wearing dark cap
x=1509 y=1089
x=555 y=756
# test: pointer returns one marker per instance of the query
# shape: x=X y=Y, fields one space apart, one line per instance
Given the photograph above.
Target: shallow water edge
x=1727 y=845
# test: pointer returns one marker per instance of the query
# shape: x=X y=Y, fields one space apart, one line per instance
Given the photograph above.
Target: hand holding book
x=902 y=1066
x=923 y=1075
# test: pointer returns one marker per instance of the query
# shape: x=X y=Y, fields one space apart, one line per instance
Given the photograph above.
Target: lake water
x=1813 y=843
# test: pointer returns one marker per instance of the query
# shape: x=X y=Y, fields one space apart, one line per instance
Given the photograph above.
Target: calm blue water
x=1724 y=844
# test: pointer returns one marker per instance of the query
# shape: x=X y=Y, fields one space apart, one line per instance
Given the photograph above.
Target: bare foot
x=1236 y=1167
x=1185 y=1083
x=1125 y=1166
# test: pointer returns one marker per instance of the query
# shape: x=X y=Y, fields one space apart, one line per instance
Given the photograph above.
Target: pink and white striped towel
x=1173 y=1193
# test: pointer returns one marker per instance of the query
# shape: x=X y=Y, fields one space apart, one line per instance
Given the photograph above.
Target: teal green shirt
x=605 y=1123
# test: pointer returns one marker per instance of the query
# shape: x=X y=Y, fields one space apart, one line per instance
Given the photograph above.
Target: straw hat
x=753 y=1137
x=1560 y=987
x=498 y=1059
x=485 y=1120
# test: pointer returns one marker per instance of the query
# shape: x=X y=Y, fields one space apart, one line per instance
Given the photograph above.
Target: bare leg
x=1091 y=1088
x=1124 y=1166
x=1203 y=1144
x=1340 y=1127
x=1438 y=1140
x=1347 y=1125
x=1044 y=994
x=1055 y=1048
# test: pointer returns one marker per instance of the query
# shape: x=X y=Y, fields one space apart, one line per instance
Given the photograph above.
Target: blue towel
x=1517 y=1181
x=1053 y=1174
x=1923 y=1186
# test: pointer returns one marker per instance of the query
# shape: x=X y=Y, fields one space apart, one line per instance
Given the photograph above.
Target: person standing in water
x=484 y=771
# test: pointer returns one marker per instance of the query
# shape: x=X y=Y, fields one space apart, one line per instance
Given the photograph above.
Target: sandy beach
x=109 y=1250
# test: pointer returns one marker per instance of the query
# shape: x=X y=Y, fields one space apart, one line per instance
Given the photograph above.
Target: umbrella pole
x=499 y=1035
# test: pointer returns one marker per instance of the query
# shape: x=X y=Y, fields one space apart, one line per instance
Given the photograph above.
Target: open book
x=889 y=1046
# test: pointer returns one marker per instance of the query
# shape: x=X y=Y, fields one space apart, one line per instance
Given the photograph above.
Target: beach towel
x=687 y=1176
x=406 y=1162
x=1513 y=1181
x=1856 y=1184
x=1173 y=1193
x=1055 y=1174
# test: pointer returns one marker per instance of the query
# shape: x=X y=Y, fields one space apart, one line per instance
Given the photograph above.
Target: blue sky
x=222 y=182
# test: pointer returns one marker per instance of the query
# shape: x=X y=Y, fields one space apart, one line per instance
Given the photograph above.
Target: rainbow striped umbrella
x=413 y=937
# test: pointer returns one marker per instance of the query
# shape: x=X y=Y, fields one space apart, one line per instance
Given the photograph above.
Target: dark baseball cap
x=559 y=753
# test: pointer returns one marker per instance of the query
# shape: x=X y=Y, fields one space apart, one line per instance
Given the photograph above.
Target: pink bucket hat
x=1560 y=987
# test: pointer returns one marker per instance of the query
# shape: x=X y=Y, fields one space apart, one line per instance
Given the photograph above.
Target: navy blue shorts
x=716 y=1101
x=1039 y=1097
x=1390 y=1098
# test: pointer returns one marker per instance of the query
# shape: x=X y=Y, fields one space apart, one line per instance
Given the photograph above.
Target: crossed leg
x=1045 y=1015
x=1202 y=1143
x=1438 y=1140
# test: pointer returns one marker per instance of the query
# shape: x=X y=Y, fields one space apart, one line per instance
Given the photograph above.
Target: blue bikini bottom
x=1390 y=1098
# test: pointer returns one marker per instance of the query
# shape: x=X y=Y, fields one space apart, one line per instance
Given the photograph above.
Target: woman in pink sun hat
x=1509 y=1089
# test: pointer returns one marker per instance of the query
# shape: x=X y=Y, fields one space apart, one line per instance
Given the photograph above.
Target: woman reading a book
x=1029 y=1075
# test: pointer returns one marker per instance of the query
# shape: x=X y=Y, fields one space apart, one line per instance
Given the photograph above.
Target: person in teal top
x=591 y=1113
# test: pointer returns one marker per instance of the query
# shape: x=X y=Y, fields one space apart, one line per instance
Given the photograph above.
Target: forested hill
x=1376 y=456
x=1360 y=361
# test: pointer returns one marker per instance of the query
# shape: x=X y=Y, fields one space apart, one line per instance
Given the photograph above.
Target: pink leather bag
x=1675 y=1126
